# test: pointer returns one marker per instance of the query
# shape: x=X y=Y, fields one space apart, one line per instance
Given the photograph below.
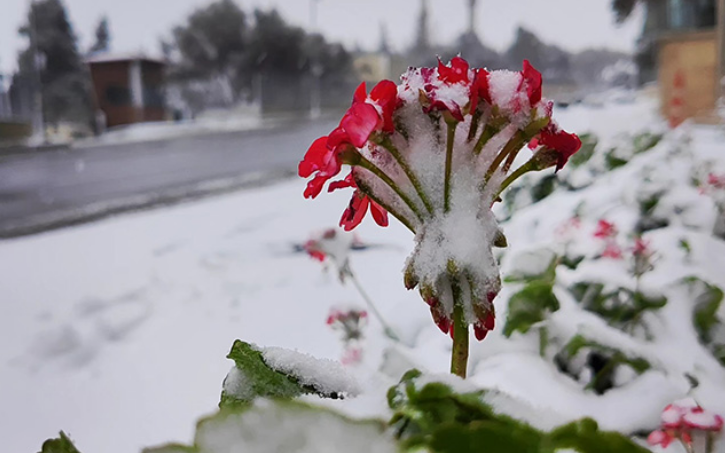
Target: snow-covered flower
x=330 y=243
x=348 y=320
x=642 y=255
x=605 y=230
x=436 y=152
x=682 y=420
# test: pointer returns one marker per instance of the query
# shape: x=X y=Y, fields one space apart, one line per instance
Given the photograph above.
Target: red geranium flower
x=564 y=143
x=370 y=113
x=480 y=89
x=532 y=79
x=605 y=230
x=357 y=209
x=457 y=72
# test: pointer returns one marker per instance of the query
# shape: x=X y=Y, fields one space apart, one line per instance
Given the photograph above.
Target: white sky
x=138 y=24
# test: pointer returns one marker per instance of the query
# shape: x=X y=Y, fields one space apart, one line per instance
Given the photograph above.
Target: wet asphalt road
x=51 y=189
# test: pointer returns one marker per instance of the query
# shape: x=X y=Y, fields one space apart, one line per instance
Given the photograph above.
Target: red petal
x=480 y=89
x=361 y=93
x=380 y=215
x=564 y=143
x=533 y=83
x=359 y=122
x=347 y=182
x=457 y=72
x=314 y=157
x=355 y=211
x=314 y=187
x=337 y=138
x=385 y=95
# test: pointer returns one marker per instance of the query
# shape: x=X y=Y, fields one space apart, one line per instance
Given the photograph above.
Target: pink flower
x=680 y=419
x=660 y=437
x=716 y=181
x=612 y=250
x=641 y=247
x=605 y=230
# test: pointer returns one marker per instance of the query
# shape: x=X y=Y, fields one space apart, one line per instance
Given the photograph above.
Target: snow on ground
x=117 y=331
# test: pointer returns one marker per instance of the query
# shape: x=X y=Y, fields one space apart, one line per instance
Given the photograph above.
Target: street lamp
x=315 y=67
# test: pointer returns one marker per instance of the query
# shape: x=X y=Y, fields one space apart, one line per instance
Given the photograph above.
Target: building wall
x=687 y=75
x=114 y=93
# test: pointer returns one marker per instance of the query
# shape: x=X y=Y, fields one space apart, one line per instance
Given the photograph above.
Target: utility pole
x=721 y=45
x=38 y=122
x=315 y=67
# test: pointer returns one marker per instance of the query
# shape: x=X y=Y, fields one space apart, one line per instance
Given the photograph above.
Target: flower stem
x=449 y=166
x=512 y=146
x=389 y=332
x=486 y=135
x=525 y=168
x=459 y=355
x=367 y=165
x=388 y=144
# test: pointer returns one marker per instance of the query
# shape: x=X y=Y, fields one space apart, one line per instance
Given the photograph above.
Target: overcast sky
x=138 y=24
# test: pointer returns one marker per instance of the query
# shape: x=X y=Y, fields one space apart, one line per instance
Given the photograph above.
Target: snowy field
x=117 y=331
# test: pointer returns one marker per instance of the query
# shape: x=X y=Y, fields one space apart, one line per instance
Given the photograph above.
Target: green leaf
x=171 y=448
x=543 y=188
x=584 y=437
x=603 y=360
x=62 y=444
x=708 y=299
x=589 y=144
x=488 y=436
x=645 y=141
x=253 y=378
x=612 y=161
x=530 y=306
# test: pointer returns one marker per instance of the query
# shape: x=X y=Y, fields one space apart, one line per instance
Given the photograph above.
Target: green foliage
x=435 y=417
x=543 y=188
x=589 y=144
x=283 y=426
x=612 y=161
x=620 y=307
x=645 y=141
x=603 y=360
x=530 y=306
x=260 y=380
x=707 y=301
x=62 y=444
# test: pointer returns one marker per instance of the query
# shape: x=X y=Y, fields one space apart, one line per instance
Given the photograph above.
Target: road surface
x=51 y=189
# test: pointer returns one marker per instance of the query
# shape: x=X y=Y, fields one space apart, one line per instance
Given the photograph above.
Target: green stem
x=389 y=332
x=486 y=135
x=388 y=144
x=525 y=168
x=366 y=164
x=543 y=340
x=459 y=355
x=388 y=208
x=509 y=148
x=449 y=166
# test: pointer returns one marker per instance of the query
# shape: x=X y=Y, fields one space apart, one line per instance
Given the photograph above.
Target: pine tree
x=52 y=51
x=103 y=37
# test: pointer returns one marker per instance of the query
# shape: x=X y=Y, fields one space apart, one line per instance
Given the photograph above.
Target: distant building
x=682 y=48
x=128 y=88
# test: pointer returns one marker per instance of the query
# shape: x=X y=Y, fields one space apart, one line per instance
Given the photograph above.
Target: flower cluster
x=436 y=151
x=683 y=419
x=607 y=232
x=351 y=322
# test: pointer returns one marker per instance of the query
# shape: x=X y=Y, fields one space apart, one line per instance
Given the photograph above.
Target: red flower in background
x=605 y=230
